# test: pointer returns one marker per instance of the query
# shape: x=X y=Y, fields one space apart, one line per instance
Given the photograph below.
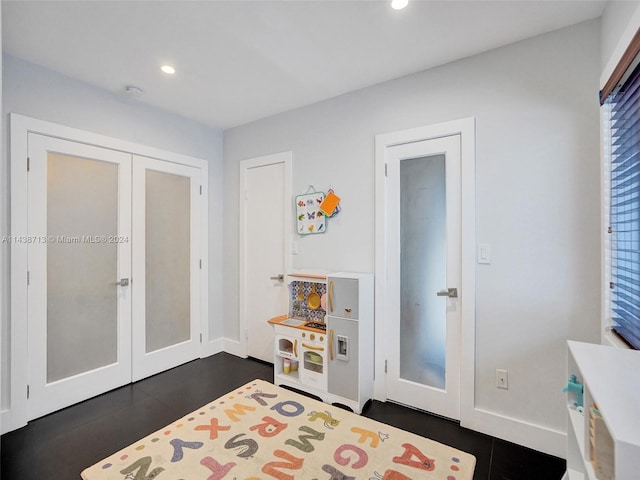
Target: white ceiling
x=238 y=61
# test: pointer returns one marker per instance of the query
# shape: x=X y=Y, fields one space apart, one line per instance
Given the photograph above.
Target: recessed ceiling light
x=399 y=4
x=168 y=69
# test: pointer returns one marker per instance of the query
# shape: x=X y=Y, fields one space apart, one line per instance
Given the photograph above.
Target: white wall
x=41 y=93
x=538 y=205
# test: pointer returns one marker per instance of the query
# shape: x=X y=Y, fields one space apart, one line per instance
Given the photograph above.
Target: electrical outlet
x=502 y=379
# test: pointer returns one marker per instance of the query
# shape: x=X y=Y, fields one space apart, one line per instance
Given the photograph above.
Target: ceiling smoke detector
x=132 y=91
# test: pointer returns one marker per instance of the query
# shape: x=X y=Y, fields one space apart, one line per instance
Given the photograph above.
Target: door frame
x=20 y=126
x=466 y=129
x=285 y=158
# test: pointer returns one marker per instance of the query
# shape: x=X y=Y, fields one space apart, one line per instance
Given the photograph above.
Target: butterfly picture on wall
x=310 y=219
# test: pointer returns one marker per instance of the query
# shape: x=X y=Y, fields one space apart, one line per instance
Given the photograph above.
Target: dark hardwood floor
x=59 y=446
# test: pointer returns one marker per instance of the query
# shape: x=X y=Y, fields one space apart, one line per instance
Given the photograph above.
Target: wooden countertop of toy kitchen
x=281 y=319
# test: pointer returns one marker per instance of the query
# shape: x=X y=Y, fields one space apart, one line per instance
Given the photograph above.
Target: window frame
x=609 y=335
x=627 y=63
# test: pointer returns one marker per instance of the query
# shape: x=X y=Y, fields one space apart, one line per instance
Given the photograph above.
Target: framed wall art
x=309 y=218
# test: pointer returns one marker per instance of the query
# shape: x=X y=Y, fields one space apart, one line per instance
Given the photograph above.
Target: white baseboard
x=212 y=347
x=536 y=437
x=234 y=348
x=5 y=422
x=223 y=344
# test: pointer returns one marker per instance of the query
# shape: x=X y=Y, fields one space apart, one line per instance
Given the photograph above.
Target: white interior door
x=79 y=222
x=166 y=265
x=265 y=229
x=424 y=273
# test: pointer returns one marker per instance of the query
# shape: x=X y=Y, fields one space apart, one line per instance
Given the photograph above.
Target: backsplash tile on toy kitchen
x=298 y=300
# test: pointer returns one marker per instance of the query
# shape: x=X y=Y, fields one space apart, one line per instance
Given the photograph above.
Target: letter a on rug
x=263 y=432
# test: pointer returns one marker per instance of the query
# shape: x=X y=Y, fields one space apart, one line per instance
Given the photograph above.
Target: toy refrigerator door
x=344 y=355
x=343 y=297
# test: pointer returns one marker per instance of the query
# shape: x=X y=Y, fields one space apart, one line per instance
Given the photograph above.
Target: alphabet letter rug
x=263 y=432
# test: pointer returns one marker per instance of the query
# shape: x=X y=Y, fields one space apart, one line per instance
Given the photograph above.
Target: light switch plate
x=484 y=253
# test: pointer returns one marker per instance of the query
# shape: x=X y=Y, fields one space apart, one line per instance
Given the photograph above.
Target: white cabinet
x=305 y=353
x=611 y=379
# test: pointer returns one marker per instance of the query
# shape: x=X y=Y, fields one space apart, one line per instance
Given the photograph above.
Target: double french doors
x=113 y=278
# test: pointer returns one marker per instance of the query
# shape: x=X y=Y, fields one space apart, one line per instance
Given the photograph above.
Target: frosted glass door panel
x=82 y=297
x=423 y=270
x=168 y=256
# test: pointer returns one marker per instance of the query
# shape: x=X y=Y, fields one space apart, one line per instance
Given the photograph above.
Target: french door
x=166 y=268
x=424 y=274
x=79 y=318
x=106 y=240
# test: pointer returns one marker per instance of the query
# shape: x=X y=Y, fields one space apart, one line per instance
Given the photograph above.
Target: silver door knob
x=279 y=277
x=124 y=282
x=449 y=292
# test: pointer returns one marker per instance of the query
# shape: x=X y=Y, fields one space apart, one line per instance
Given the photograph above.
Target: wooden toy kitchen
x=324 y=345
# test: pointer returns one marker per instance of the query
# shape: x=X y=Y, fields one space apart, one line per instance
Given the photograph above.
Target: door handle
x=449 y=292
x=279 y=277
x=331 y=296
x=124 y=282
x=331 y=344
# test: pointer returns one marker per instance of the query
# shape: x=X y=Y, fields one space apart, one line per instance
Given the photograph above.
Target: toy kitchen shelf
x=603 y=444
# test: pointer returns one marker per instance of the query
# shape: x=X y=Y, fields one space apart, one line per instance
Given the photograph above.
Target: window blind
x=624 y=170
